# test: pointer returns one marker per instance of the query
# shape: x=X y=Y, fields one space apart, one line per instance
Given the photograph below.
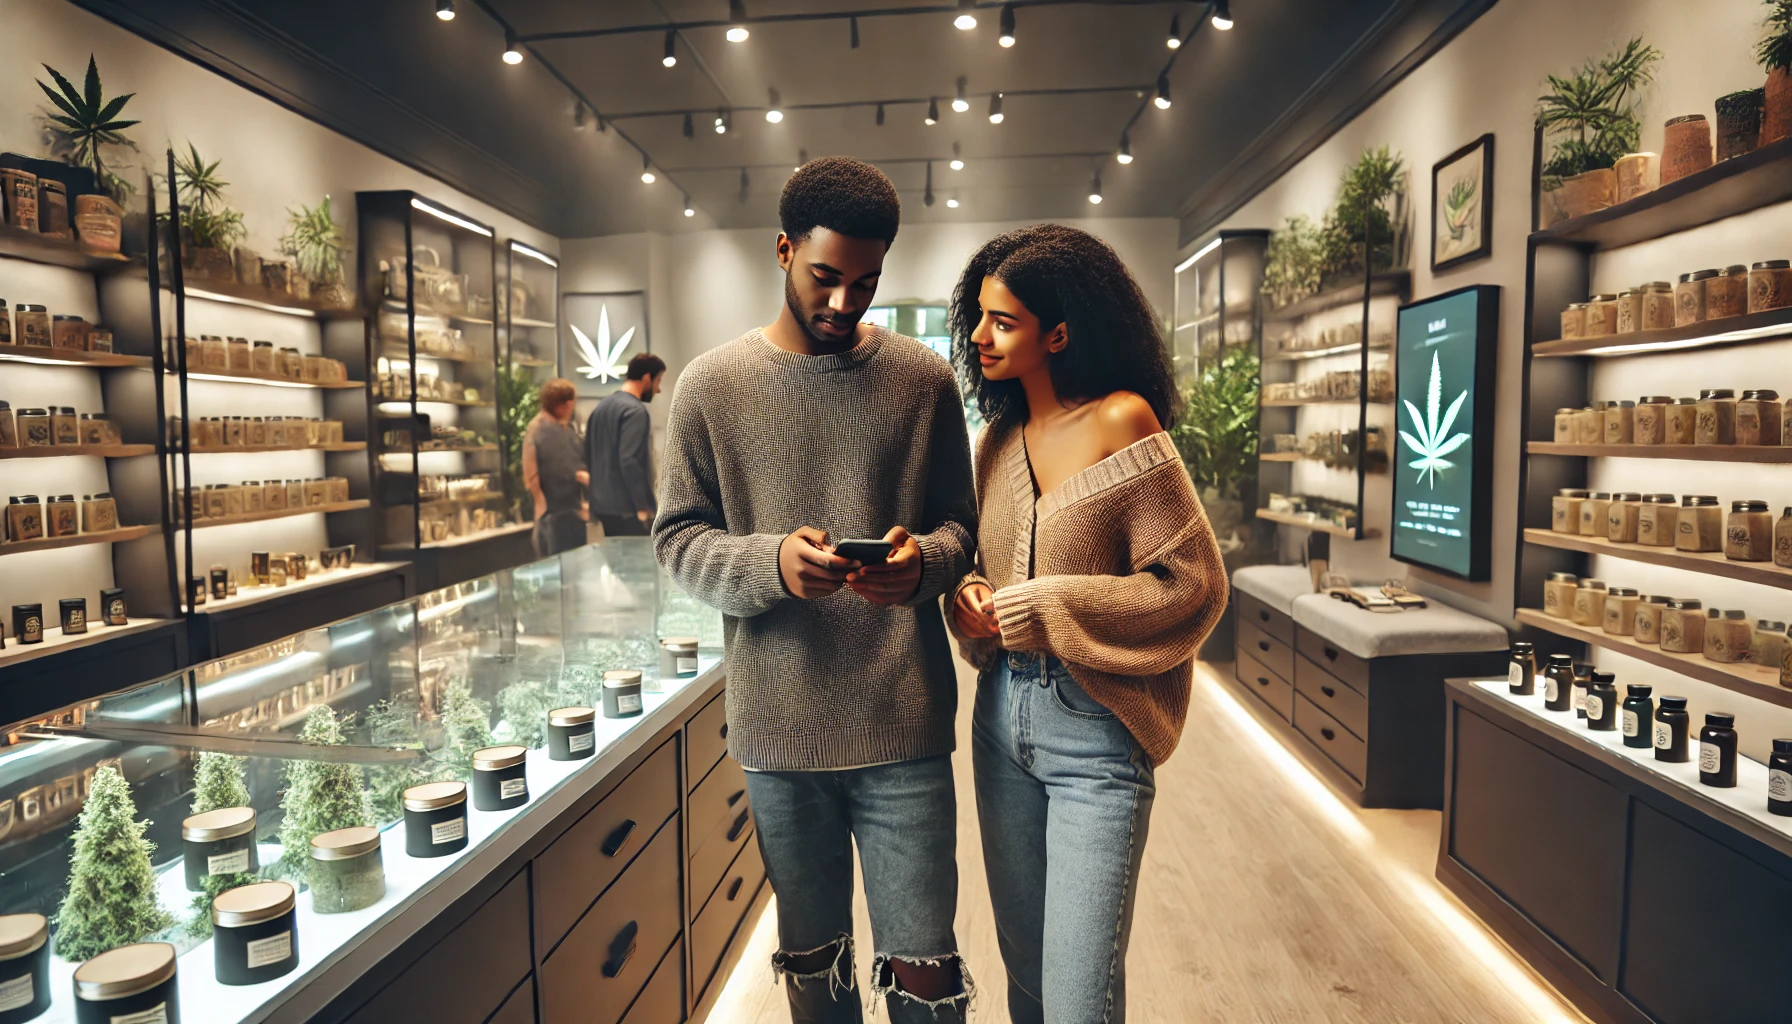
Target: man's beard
x=807 y=323
x=647 y=396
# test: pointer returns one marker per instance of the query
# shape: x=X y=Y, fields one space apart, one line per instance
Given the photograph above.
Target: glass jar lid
x=1751 y=505
x=1577 y=305
x=1686 y=401
x=435 y=795
x=24 y=499
x=1626 y=496
x=252 y=904
x=1622 y=403
x=1561 y=659
x=345 y=843
x=490 y=759
x=1660 y=599
x=1685 y=604
x=1569 y=410
x=1571 y=492
x=1655 y=400
x=1621 y=592
x=1770 y=626
x=1639 y=689
x=571 y=716
x=622 y=677
x=1606 y=297
x=264 y=344
x=1592 y=584
x=124 y=971
x=1760 y=395
x=1661 y=286
x=223 y=823
x=101 y=496
x=1763 y=265
x=1720 y=719
x=1699 y=275
x=67 y=317
x=1628 y=292
x=1699 y=500
x=1563 y=577
x=1736 y=615
x=1736 y=270
x=1660 y=499
x=1714 y=394
x=1599 y=496
x=21 y=934
x=31 y=307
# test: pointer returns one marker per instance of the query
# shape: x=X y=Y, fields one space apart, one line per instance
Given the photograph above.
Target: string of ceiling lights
x=1218 y=13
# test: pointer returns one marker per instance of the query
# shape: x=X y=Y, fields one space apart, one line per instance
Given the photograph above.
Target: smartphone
x=865 y=552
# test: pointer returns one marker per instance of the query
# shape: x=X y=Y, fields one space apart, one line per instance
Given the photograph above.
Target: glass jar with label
x=1620 y=611
x=435 y=818
x=1636 y=715
x=1689 y=297
x=24 y=518
x=31 y=325
x=1767 y=647
x=1758 y=417
x=1583 y=678
x=261 y=358
x=213 y=355
x=1589 y=604
x=1565 y=426
x=1620 y=422
x=1602 y=315
x=99 y=513
x=1558 y=683
x=1779 y=778
x=1782 y=540
x=347 y=872
x=1683 y=626
x=1769 y=285
x=1602 y=703
x=255 y=934
x=1728 y=638
x=1726 y=295
x=96 y=429
x=34 y=429
x=69 y=332
x=1645 y=621
x=1716 y=423
x=236 y=351
x=1558 y=594
x=1672 y=724
x=1565 y=510
x=1622 y=516
x=65 y=425
x=1594 y=510
x=62 y=516
x=9 y=427
x=1630 y=310
x=1717 y=751
x=1657 y=522
x=1700 y=525
x=1748 y=533
x=1658 y=306
x=130 y=983
x=1589 y=424
x=99 y=339
x=1521 y=668
x=219 y=842
x=1574 y=321
x=1683 y=421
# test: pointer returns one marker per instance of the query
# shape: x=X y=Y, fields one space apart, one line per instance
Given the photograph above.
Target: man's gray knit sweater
x=763 y=441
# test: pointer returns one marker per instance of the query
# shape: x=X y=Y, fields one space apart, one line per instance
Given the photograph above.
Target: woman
x=1098 y=580
x=554 y=471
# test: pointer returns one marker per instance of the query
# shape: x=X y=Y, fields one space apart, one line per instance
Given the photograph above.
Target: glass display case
x=1202 y=327
x=929 y=324
x=317 y=732
x=529 y=314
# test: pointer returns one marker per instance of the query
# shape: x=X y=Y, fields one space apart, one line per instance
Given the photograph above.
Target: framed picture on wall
x=1462 y=205
x=604 y=330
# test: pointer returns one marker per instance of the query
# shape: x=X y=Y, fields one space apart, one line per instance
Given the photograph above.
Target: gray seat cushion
x=1437 y=629
x=1274 y=585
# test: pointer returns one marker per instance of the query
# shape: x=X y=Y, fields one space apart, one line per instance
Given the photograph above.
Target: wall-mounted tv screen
x=1443 y=443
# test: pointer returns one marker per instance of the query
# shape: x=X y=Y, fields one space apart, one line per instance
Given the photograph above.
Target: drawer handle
x=619 y=838
x=1331 y=653
x=724 y=730
x=622 y=949
x=1263 y=614
x=1328 y=691
x=1263 y=645
x=1261 y=681
x=1326 y=731
x=740 y=825
x=734 y=890
x=735 y=798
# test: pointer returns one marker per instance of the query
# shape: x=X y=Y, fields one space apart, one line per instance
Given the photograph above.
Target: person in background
x=619 y=449
x=554 y=471
x=1098 y=580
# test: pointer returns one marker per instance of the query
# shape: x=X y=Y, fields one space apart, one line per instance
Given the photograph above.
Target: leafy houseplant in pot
x=314 y=243
x=1775 y=54
x=1371 y=206
x=1592 y=116
x=1217 y=438
x=209 y=228
x=85 y=128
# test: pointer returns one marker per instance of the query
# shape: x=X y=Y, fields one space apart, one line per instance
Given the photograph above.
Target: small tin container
x=31 y=324
x=1779 y=778
x=500 y=778
x=622 y=693
x=255 y=935
x=1726 y=295
x=1646 y=622
x=678 y=657
x=24 y=518
x=24 y=967
x=1759 y=418
x=130 y=983
x=220 y=842
x=74 y=615
x=1658 y=306
x=1651 y=422
x=28 y=623
x=1769 y=285
x=65 y=426
x=1672 y=726
x=1636 y=715
x=347 y=872
x=62 y=516
x=435 y=819
x=69 y=332
x=112 y=607
x=9 y=425
x=572 y=734
x=220 y=578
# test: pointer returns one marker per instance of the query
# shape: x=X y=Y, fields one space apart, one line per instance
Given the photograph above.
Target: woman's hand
x=975 y=612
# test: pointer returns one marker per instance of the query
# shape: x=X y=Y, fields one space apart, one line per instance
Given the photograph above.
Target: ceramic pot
x=1586 y=193
x=334 y=295
x=1738 y=123
x=1686 y=148
x=276 y=277
x=1776 y=108
x=300 y=285
x=248 y=266
x=211 y=264
x=1637 y=173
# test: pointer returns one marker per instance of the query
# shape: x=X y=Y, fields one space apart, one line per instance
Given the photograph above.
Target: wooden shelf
x=274 y=380
x=531 y=362
x=1300 y=355
x=235 y=294
x=35 y=248
x=1302 y=457
x=1290 y=403
x=1756 y=681
x=1279 y=456
x=71 y=356
x=257 y=517
x=1771 y=454
x=57 y=642
x=483 y=535
x=523 y=321
x=1736 y=186
x=462 y=450
x=1708 y=563
x=123 y=533
x=1316 y=525
x=109 y=451
x=389 y=351
x=466 y=499
x=1393 y=282
x=1735 y=330
x=463 y=403
x=237 y=449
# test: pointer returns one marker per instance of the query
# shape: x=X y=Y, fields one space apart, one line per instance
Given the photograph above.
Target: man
x=619 y=446
x=841 y=694
x=554 y=471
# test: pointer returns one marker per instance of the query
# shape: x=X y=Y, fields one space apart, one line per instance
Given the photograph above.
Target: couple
x=1097 y=579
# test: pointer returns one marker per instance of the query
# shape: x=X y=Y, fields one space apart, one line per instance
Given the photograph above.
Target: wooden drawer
x=1275 y=655
x=1330 y=695
x=662 y=1001
x=519 y=1008
x=464 y=978
x=705 y=740
x=1272 y=689
x=587 y=857
x=712 y=928
x=1274 y=621
x=714 y=852
x=1334 y=659
x=1350 y=753
x=723 y=791
x=595 y=974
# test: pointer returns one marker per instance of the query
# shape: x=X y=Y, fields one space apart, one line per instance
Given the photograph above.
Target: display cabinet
x=633 y=858
x=1202 y=325
x=529 y=337
x=430 y=277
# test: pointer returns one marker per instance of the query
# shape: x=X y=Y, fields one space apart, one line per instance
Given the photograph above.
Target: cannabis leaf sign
x=1434 y=440
x=603 y=361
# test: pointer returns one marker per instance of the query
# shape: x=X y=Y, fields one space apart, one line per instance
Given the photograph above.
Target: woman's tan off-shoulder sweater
x=1125 y=583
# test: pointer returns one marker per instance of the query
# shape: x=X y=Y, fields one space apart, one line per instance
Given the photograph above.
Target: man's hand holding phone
x=975 y=612
x=808 y=565
x=893 y=580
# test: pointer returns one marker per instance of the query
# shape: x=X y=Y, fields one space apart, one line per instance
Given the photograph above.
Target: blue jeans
x=904 y=817
x=1064 y=797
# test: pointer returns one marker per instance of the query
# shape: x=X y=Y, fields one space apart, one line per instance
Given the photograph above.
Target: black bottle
x=1602 y=703
x=1671 y=725
x=1558 y=682
x=1583 y=678
x=1717 y=751
x=1779 y=779
x=1521 y=672
x=1637 y=716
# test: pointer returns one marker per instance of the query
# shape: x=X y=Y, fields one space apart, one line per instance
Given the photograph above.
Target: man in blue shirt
x=619 y=450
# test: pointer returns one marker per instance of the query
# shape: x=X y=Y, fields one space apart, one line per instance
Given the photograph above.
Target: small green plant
x=1291 y=269
x=321 y=796
x=199 y=923
x=1364 y=210
x=1775 y=49
x=1217 y=434
x=207 y=220
x=1592 y=113
x=111 y=898
x=519 y=399
x=466 y=726
x=218 y=782
x=314 y=241
x=87 y=125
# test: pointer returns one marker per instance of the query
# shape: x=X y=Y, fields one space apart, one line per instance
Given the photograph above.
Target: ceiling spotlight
x=671 y=58
x=854 y=22
x=961 y=102
x=966 y=19
x=1222 y=15
x=957 y=161
x=1125 y=156
x=1095 y=190
x=880 y=115
x=772 y=112
x=687 y=124
x=722 y=120
x=647 y=177
x=1007 y=36
x=1163 y=91
x=933 y=112
x=445 y=9
x=737 y=21
x=995 y=109
x=952 y=203
x=578 y=116
x=688 y=210
x=513 y=54
x=1174 y=41
x=927 y=196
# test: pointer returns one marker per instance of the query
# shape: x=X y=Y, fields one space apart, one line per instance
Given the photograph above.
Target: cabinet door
x=519 y=1008
x=723 y=793
x=662 y=1001
x=713 y=928
x=466 y=977
x=706 y=740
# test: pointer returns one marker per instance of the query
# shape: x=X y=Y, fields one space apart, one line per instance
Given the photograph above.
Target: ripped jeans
x=904 y=818
x=1064 y=800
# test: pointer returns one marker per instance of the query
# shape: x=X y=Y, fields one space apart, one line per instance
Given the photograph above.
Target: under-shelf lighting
x=1163 y=91
x=967 y=18
x=227 y=379
x=671 y=58
x=1125 y=155
x=458 y=221
x=1007 y=36
x=995 y=109
x=513 y=54
x=1095 y=190
x=535 y=254
x=445 y=9
x=773 y=112
x=1222 y=15
x=1204 y=250
x=957 y=163
x=737 y=21
x=199 y=293
x=933 y=112
x=1174 y=39
x=961 y=102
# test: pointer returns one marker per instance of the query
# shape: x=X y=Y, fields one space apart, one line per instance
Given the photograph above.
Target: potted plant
x=1739 y=123
x=314 y=241
x=209 y=228
x=1775 y=54
x=1371 y=205
x=1592 y=114
x=1291 y=264
x=85 y=128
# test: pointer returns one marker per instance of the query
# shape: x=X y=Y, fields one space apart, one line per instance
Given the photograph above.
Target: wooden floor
x=1265 y=897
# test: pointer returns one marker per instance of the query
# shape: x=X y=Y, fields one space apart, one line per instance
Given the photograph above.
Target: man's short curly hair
x=841 y=194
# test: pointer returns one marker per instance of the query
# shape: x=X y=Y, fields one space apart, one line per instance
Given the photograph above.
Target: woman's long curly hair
x=1070 y=277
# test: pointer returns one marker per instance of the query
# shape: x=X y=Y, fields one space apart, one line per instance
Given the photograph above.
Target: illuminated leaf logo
x=1434 y=440
x=603 y=361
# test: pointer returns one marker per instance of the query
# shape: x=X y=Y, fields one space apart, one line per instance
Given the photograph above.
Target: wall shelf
x=397 y=350
x=35 y=248
x=71 y=357
x=1710 y=563
x=1298 y=355
x=109 y=451
x=523 y=321
x=237 y=449
x=1289 y=403
x=1756 y=681
x=474 y=538
x=1769 y=454
x=1316 y=525
x=268 y=300
x=1734 y=330
x=257 y=517
x=272 y=380
x=1393 y=282
x=123 y=533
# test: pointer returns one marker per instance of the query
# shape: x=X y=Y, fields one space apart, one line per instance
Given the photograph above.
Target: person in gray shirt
x=554 y=471
x=619 y=450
